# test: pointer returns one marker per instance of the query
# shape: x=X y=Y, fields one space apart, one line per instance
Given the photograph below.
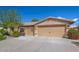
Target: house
x=55 y=27
x=76 y=28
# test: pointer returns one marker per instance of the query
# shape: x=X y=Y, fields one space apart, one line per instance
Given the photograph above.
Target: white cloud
x=75 y=19
x=73 y=26
x=60 y=17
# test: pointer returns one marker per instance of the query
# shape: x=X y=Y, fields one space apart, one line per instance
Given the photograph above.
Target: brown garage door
x=51 y=31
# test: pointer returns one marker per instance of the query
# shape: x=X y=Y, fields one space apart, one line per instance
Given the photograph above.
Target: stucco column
x=66 y=29
x=35 y=31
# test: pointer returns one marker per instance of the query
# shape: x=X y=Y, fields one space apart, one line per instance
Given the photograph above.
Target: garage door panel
x=51 y=31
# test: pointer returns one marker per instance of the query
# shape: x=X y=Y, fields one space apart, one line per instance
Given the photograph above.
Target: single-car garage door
x=51 y=31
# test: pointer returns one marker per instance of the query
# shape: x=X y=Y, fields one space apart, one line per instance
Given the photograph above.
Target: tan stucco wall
x=53 y=30
x=29 y=31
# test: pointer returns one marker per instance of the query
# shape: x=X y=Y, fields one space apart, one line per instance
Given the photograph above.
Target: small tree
x=34 y=20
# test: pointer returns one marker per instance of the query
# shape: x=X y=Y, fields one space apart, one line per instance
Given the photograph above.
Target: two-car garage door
x=51 y=31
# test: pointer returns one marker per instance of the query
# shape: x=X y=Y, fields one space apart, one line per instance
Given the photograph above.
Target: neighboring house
x=73 y=28
x=54 y=27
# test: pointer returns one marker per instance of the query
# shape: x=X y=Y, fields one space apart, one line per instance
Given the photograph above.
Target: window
x=21 y=29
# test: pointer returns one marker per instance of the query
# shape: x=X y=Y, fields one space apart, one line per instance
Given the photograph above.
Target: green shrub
x=16 y=34
x=73 y=34
x=2 y=34
x=2 y=37
x=73 y=31
x=2 y=31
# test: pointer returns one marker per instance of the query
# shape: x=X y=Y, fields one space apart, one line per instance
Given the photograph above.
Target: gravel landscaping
x=37 y=44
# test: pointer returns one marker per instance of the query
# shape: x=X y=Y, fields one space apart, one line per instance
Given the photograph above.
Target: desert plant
x=16 y=34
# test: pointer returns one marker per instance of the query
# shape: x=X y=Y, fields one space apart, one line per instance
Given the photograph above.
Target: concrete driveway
x=37 y=44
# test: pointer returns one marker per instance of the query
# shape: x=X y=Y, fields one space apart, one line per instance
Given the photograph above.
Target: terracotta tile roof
x=62 y=19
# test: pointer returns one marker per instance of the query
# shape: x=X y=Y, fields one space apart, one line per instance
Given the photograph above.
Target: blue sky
x=40 y=12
